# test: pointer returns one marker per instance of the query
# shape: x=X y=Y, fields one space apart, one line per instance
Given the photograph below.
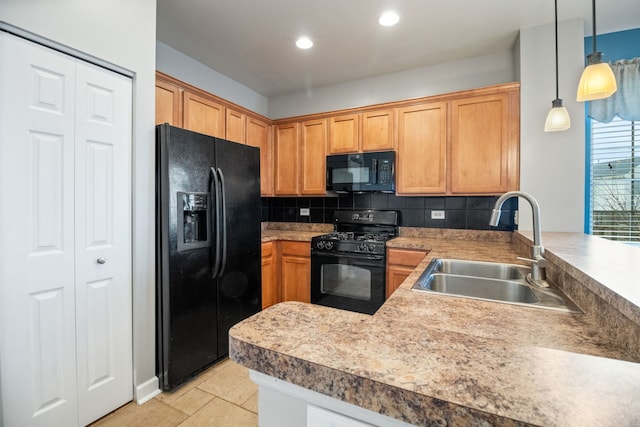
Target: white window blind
x=615 y=180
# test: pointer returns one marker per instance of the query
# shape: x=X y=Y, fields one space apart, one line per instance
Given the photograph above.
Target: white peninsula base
x=282 y=404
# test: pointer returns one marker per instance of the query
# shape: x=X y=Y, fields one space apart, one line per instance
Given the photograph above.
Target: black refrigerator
x=207 y=248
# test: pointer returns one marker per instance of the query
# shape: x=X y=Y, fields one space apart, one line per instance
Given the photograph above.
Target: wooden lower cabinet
x=286 y=272
x=270 y=288
x=400 y=264
x=295 y=278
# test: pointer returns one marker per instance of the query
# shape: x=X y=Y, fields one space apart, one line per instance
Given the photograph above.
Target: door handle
x=223 y=221
x=101 y=260
x=374 y=168
x=213 y=186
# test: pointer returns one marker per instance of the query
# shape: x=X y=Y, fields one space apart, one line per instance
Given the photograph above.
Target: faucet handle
x=539 y=261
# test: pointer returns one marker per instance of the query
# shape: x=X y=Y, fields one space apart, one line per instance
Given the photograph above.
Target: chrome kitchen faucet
x=538 y=262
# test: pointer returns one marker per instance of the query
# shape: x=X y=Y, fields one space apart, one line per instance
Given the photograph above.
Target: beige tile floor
x=222 y=396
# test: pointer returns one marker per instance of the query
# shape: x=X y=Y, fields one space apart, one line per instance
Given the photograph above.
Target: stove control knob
x=320 y=245
x=362 y=247
x=372 y=248
x=328 y=245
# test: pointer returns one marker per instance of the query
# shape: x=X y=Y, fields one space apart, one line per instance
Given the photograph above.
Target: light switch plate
x=304 y=211
x=437 y=214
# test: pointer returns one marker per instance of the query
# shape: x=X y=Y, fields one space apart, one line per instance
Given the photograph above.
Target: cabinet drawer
x=405 y=257
x=296 y=248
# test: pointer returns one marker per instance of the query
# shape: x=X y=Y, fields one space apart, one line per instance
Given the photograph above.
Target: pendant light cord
x=556 y=21
x=593 y=17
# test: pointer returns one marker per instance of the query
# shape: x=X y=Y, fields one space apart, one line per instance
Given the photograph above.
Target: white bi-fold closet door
x=65 y=237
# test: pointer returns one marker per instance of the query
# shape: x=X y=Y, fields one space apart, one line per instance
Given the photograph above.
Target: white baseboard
x=147 y=390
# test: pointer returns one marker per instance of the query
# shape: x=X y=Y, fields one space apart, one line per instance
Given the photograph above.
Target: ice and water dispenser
x=194 y=221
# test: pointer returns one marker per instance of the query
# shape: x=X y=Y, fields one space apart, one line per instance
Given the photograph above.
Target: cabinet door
x=400 y=264
x=378 y=130
x=259 y=135
x=235 y=126
x=343 y=134
x=480 y=144
x=296 y=271
x=270 y=294
x=287 y=159
x=313 y=156
x=168 y=104
x=203 y=115
x=422 y=149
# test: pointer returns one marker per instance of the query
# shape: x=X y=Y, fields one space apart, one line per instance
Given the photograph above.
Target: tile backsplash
x=462 y=212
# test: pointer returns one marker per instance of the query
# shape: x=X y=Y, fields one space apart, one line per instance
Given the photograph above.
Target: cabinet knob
x=101 y=260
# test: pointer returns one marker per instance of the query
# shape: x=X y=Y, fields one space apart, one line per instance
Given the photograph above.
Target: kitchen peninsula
x=435 y=359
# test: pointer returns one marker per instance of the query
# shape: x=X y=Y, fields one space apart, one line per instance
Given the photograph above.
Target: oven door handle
x=349 y=256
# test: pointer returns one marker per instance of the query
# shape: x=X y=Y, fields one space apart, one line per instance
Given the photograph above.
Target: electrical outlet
x=437 y=214
x=516 y=217
x=304 y=211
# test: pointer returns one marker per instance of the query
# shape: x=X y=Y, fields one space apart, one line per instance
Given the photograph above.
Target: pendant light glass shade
x=558 y=118
x=597 y=80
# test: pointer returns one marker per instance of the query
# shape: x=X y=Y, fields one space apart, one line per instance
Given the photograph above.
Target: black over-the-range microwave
x=362 y=172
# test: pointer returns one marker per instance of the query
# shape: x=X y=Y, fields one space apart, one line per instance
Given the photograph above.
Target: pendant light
x=597 y=81
x=558 y=118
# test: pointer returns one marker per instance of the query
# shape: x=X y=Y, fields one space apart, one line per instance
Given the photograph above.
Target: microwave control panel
x=385 y=174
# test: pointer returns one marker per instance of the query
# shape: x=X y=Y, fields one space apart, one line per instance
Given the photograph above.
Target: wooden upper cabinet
x=168 y=104
x=259 y=135
x=422 y=149
x=481 y=144
x=463 y=143
x=203 y=115
x=313 y=151
x=235 y=126
x=378 y=130
x=286 y=159
x=344 y=134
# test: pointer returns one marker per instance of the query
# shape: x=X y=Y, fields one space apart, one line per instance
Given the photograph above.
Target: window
x=615 y=180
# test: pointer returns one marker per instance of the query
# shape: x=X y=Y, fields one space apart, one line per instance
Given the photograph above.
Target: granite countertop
x=299 y=232
x=426 y=359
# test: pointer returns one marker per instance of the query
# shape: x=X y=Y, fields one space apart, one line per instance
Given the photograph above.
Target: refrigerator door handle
x=223 y=221
x=214 y=185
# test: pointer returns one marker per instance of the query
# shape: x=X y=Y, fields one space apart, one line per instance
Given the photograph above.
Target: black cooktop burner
x=363 y=232
x=349 y=235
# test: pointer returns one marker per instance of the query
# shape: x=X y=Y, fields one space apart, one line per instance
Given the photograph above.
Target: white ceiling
x=253 y=41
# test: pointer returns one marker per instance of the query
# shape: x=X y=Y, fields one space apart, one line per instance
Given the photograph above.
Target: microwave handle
x=374 y=168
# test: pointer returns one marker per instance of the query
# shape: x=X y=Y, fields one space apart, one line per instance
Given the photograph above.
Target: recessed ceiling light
x=304 y=43
x=389 y=18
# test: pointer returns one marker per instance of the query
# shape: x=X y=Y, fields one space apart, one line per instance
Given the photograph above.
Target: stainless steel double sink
x=490 y=281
